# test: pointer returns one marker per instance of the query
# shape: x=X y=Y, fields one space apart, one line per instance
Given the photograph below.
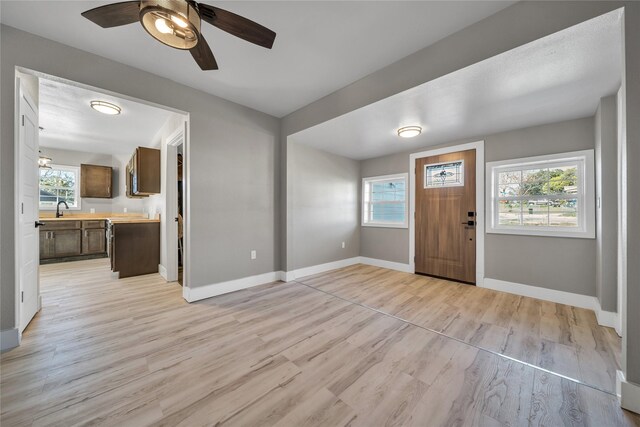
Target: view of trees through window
x=58 y=184
x=546 y=197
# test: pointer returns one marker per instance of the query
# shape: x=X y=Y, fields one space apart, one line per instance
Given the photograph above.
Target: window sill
x=543 y=233
x=383 y=225
x=61 y=209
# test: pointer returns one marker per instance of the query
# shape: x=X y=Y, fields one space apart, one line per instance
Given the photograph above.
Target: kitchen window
x=59 y=183
x=543 y=196
x=384 y=201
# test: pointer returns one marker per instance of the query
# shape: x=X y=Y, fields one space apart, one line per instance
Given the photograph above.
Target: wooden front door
x=445 y=216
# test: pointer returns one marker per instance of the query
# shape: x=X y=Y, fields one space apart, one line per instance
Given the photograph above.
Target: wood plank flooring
x=557 y=337
x=133 y=352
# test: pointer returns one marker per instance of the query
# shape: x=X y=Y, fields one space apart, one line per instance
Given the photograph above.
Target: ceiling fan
x=176 y=23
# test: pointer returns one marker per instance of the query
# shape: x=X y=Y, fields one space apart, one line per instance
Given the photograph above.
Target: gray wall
x=325 y=206
x=559 y=262
x=606 y=136
x=232 y=159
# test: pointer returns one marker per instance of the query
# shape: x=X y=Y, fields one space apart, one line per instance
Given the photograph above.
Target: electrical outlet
x=125 y=210
x=92 y=210
x=343 y=245
x=254 y=254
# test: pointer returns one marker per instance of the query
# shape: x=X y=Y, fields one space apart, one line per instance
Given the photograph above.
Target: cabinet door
x=93 y=241
x=45 y=250
x=67 y=242
x=95 y=181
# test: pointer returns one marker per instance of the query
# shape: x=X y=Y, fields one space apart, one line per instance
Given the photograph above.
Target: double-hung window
x=384 y=201
x=59 y=183
x=545 y=196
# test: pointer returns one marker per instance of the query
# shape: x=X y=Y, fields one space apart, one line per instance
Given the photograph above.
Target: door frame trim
x=480 y=232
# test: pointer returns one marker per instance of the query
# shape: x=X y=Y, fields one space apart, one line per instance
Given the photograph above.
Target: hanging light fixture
x=175 y=23
x=409 y=131
x=44 y=162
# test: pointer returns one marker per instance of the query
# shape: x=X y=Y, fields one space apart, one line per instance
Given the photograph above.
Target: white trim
x=9 y=338
x=321 y=268
x=480 y=223
x=365 y=181
x=208 y=291
x=163 y=272
x=605 y=318
x=628 y=393
x=391 y=265
x=586 y=197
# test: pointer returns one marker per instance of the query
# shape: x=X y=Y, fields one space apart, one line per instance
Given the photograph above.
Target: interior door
x=445 y=216
x=28 y=210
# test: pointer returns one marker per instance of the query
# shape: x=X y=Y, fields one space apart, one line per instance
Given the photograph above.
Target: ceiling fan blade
x=115 y=14
x=203 y=55
x=237 y=25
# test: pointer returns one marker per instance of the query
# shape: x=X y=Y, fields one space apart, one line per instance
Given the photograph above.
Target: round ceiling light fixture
x=106 y=107
x=175 y=23
x=409 y=131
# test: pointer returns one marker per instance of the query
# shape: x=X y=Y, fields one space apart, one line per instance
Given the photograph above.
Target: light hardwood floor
x=557 y=337
x=132 y=352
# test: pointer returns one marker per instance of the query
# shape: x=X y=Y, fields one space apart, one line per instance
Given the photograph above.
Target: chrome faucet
x=58 y=213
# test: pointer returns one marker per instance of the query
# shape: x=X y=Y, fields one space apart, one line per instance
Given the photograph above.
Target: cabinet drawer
x=93 y=224
x=59 y=225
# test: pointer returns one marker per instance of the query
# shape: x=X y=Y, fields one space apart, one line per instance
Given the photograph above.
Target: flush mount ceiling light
x=105 y=107
x=174 y=23
x=409 y=131
x=44 y=162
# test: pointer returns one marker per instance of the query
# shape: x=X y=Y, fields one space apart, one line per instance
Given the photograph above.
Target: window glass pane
x=563 y=180
x=509 y=190
x=510 y=212
x=388 y=212
x=449 y=174
x=536 y=213
x=56 y=185
x=563 y=213
x=534 y=182
x=512 y=177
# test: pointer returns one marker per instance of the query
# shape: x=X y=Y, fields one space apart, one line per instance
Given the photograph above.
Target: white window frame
x=74 y=169
x=586 y=195
x=394 y=177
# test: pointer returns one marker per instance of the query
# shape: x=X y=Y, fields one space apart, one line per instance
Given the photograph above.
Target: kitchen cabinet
x=96 y=181
x=134 y=247
x=143 y=172
x=93 y=237
x=71 y=238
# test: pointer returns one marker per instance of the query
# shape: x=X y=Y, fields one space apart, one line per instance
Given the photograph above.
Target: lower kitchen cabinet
x=60 y=243
x=93 y=241
x=134 y=248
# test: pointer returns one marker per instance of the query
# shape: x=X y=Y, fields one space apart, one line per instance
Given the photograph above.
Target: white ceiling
x=556 y=78
x=320 y=46
x=69 y=122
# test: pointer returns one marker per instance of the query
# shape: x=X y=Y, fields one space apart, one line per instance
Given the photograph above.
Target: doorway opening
x=91 y=184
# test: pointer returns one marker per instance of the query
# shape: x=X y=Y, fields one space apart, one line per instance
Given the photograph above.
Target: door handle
x=39 y=224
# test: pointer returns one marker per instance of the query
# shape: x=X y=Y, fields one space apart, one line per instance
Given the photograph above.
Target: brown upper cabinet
x=95 y=181
x=143 y=172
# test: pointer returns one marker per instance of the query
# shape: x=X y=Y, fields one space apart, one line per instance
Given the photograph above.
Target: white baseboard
x=208 y=291
x=9 y=338
x=320 y=268
x=406 y=268
x=163 y=272
x=605 y=318
x=628 y=393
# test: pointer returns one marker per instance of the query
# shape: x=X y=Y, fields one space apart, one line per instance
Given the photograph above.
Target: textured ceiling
x=320 y=46
x=559 y=77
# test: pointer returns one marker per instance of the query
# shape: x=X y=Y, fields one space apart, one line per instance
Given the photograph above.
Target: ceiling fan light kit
x=175 y=23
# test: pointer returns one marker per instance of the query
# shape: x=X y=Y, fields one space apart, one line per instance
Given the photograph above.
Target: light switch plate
x=254 y=254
